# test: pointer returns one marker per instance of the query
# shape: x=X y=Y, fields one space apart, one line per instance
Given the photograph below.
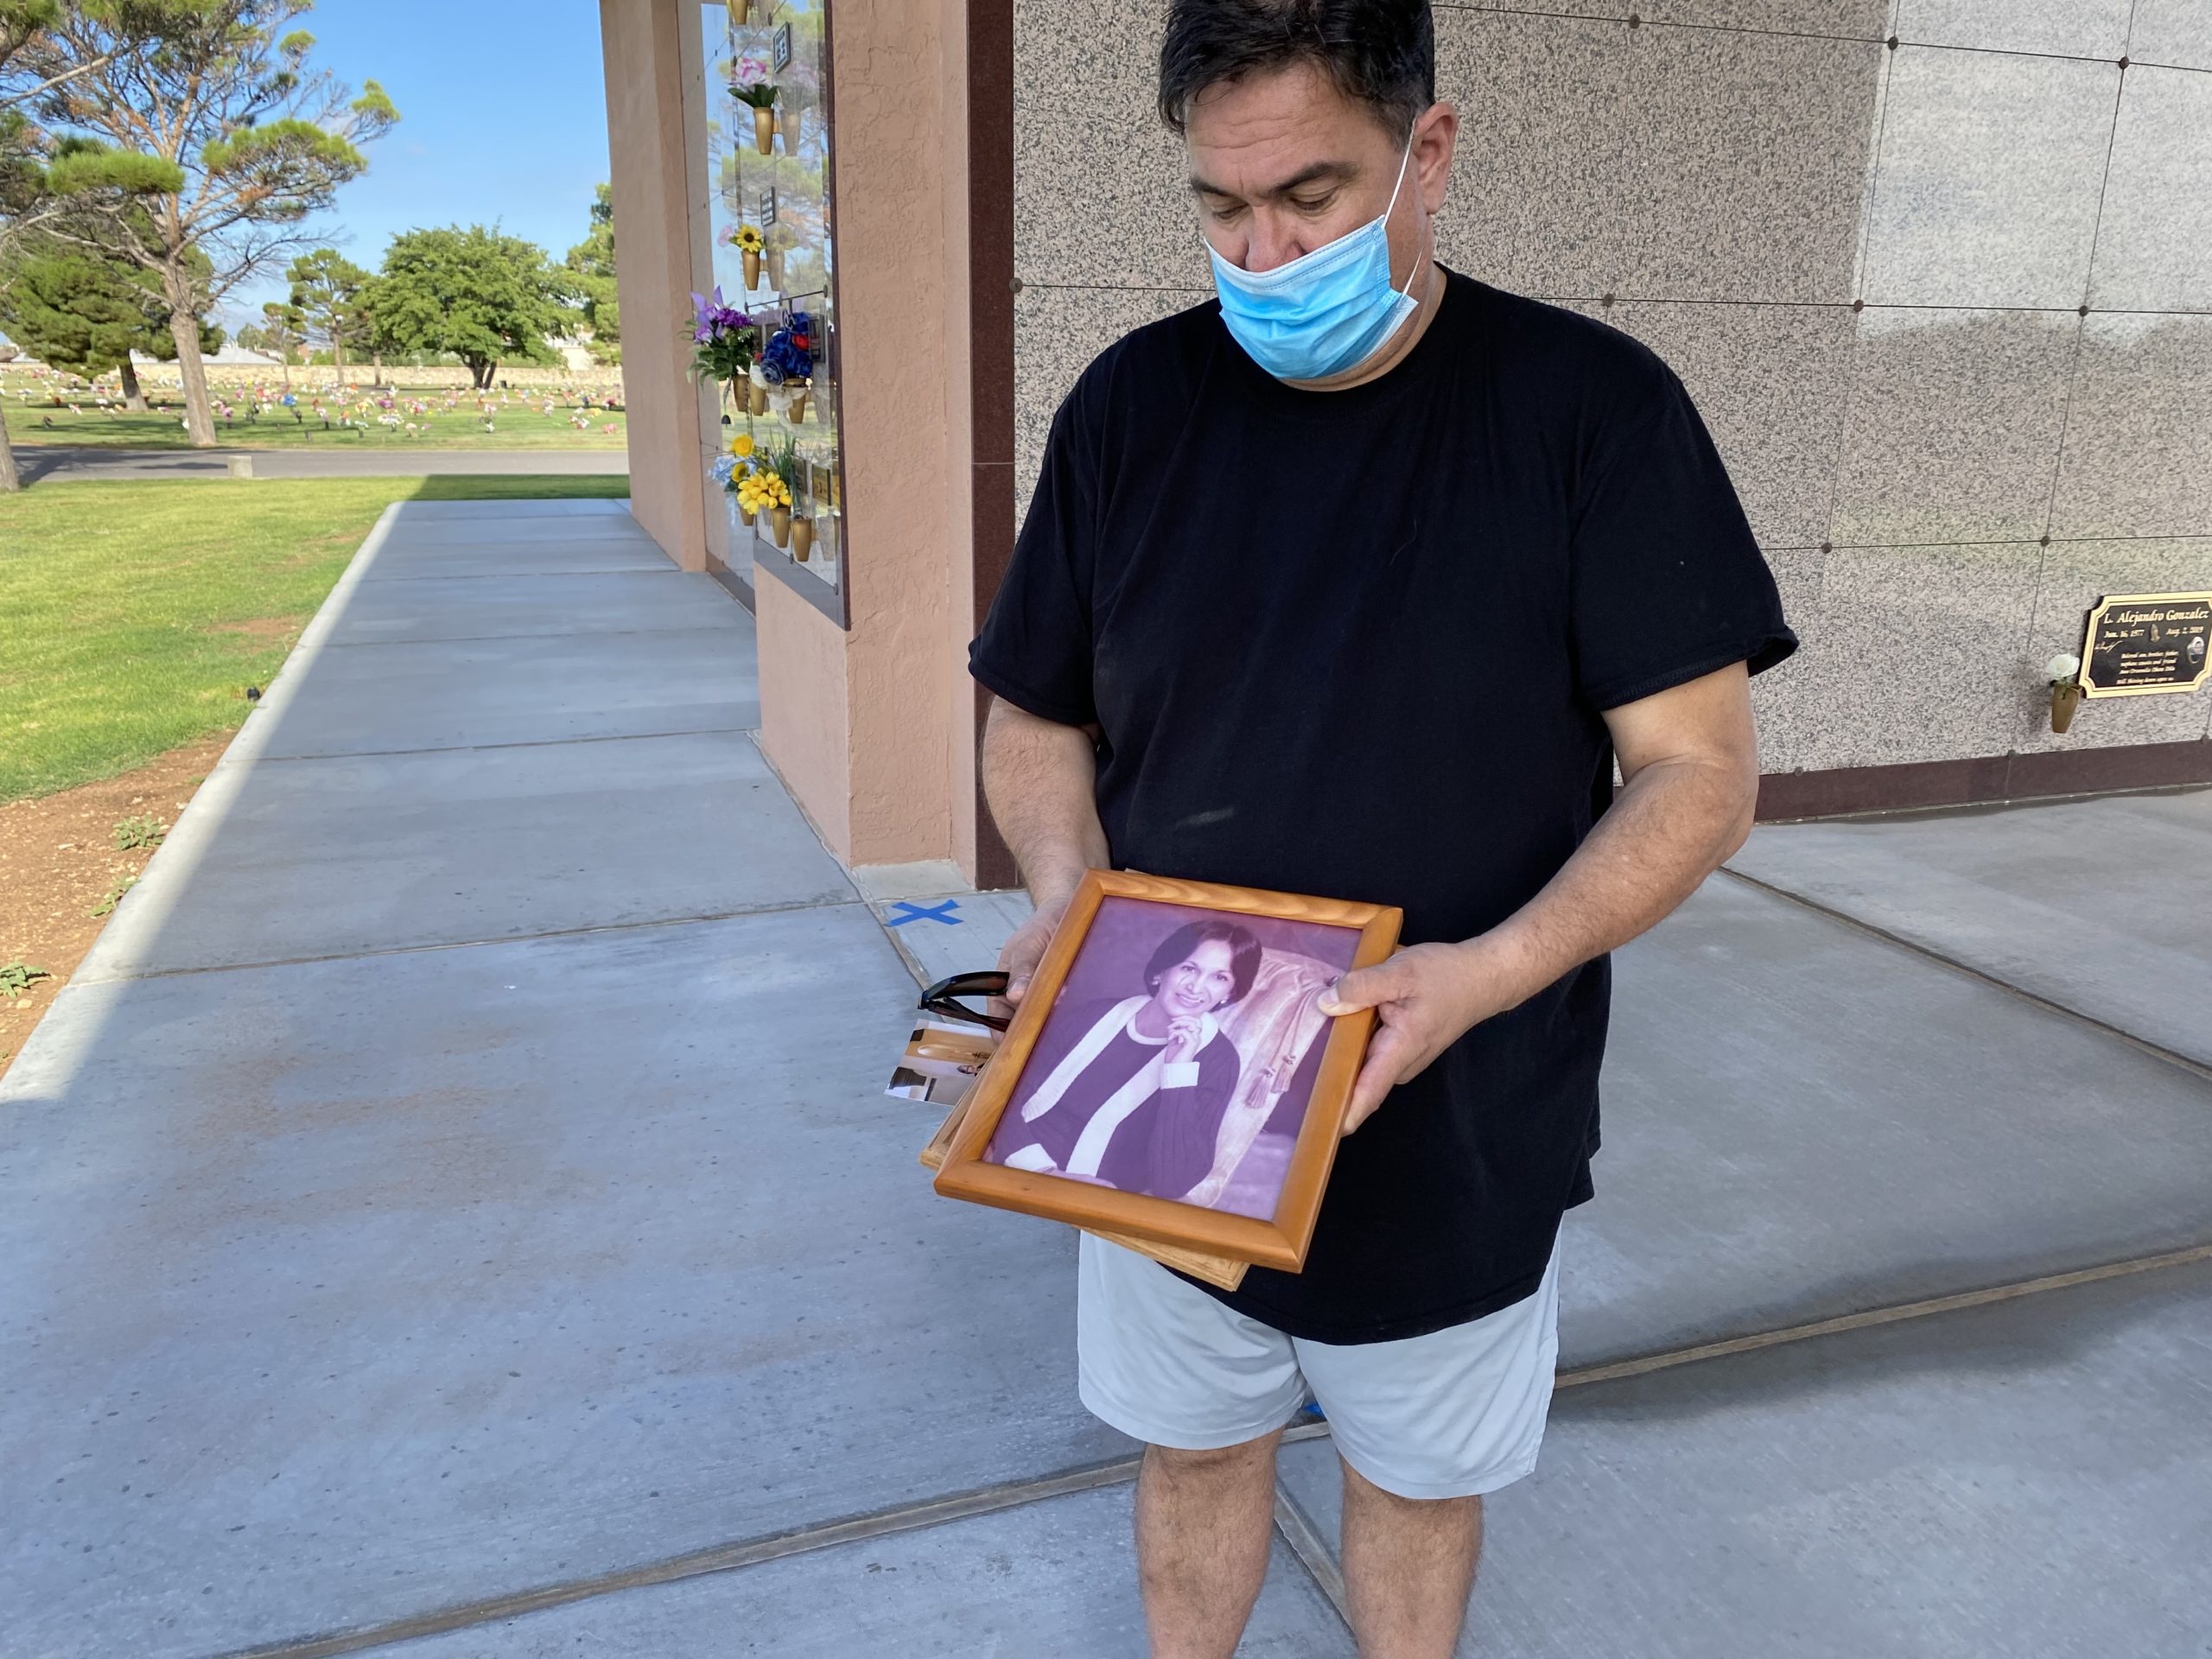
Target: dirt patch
x=260 y=627
x=59 y=862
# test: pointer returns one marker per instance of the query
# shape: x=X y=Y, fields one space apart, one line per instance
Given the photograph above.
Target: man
x=1357 y=581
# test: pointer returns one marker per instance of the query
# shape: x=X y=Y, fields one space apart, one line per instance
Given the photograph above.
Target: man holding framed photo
x=1355 y=582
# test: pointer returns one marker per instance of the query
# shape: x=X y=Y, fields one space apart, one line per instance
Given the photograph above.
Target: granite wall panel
x=1718 y=199
x=1945 y=305
x=1922 y=458
x=2177 y=32
x=1545 y=109
x=1865 y=20
x=2079 y=28
x=1906 y=653
x=1990 y=167
x=2137 y=454
x=2154 y=236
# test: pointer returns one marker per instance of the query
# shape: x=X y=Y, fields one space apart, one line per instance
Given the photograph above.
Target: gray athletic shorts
x=1450 y=1415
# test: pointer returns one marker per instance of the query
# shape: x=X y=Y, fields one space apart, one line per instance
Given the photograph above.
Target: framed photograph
x=1170 y=1075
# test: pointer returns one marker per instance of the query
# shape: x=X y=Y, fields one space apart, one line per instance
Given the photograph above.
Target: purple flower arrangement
x=724 y=339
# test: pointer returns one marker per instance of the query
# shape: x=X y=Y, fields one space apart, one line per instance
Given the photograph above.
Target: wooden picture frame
x=1279 y=1241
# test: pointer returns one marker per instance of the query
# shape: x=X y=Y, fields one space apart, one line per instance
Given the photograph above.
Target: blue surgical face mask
x=1326 y=311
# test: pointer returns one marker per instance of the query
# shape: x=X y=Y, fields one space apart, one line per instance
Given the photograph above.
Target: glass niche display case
x=772 y=223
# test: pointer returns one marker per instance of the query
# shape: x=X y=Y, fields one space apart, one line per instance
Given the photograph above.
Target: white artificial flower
x=2064 y=666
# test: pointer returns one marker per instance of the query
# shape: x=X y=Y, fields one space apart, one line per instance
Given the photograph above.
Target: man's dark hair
x=1243 y=955
x=1380 y=54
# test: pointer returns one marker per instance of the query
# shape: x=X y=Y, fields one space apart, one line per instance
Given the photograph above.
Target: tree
x=215 y=136
x=476 y=293
x=325 y=293
x=591 y=264
x=285 y=330
x=23 y=24
x=87 y=312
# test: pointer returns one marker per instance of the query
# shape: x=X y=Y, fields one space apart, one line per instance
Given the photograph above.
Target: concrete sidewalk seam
x=600 y=633
x=369 y=951
x=1008 y=1495
x=728 y=1558
x=1927 y=1308
x=511 y=575
x=1304 y=1542
x=2181 y=1062
x=513 y=743
x=561 y=633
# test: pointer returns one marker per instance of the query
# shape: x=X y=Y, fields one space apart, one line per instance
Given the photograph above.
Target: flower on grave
x=723 y=338
x=742 y=445
x=747 y=238
x=2061 y=668
x=761 y=491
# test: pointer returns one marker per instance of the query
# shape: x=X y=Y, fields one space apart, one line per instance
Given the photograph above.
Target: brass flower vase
x=775 y=269
x=802 y=539
x=752 y=269
x=756 y=398
x=798 y=407
x=788 y=120
x=746 y=516
x=764 y=130
x=779 y=526
x=2065 y=699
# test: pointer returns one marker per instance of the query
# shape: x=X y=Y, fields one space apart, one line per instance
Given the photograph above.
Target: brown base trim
x=1980 y=780
x=739 y=589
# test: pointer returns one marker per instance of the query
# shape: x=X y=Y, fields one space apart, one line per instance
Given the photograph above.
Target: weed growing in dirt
x=17 y=977
x=134 y=833
x=114 y=896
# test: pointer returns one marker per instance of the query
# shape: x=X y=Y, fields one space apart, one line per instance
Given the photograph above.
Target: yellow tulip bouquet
x=761 y=492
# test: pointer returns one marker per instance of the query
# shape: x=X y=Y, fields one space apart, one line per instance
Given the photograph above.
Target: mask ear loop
x=1405 y=161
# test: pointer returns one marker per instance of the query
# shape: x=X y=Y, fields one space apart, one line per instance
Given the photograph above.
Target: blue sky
x=503 y=117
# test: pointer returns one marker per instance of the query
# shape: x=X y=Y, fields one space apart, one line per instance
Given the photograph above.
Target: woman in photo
x=1131 y=1093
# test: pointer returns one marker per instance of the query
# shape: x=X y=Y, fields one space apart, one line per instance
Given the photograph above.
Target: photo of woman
x=1178 y=1058
x=1131 y=1094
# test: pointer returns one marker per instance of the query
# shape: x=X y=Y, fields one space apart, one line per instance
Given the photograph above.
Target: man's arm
x=1041 y=779
x=1690 y=762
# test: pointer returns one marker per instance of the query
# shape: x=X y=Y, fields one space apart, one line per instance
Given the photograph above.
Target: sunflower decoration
x=747 y=240
x=742 y=445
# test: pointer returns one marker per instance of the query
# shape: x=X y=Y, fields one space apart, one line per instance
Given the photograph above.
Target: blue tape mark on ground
x=919 y=913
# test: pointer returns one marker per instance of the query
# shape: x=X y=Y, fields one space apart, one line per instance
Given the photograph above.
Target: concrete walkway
x=61 y=463
x=453 y=1213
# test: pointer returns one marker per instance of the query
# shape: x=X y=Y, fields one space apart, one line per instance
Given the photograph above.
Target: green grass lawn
x=441 y=416
x=126 y=607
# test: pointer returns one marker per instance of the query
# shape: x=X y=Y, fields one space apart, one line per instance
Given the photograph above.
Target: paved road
x=60 y=463
x=460 y=1174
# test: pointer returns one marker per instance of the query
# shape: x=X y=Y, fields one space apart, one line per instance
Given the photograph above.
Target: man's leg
x=1205 y=1522
x=1409 y=1567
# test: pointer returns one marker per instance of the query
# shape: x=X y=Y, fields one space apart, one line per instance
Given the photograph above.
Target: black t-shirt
x=1357 y=644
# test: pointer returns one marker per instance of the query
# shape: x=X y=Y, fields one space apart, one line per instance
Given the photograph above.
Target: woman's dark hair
x=1243 y=955
x=1380 y=54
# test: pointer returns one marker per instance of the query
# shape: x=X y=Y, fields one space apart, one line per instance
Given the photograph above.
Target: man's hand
x=1019 y=960
x=1426 y=998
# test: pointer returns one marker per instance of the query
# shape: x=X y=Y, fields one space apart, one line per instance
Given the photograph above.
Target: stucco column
x=859 y=720
x=652 y=189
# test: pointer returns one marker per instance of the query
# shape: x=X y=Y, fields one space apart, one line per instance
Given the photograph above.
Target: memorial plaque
x=2138 y=644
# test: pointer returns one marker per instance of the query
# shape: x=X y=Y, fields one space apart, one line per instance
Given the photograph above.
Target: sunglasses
x=944 y=998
